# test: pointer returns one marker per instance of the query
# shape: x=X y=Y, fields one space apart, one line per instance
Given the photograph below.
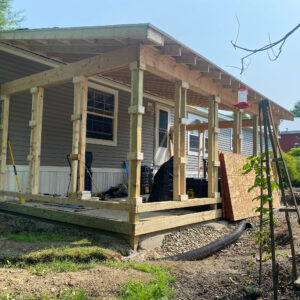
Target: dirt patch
x=101 y=281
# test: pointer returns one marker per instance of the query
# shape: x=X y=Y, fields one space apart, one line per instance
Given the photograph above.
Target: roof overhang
x=69 y=45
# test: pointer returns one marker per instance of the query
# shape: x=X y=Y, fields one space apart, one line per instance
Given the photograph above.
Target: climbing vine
x=262 y=236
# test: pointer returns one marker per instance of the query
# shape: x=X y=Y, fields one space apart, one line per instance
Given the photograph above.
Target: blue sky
x=207 y=26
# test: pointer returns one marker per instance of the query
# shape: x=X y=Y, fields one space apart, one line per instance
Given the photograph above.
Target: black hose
x=211 y=248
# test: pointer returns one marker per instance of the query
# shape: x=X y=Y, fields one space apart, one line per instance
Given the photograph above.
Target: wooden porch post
x=213 y=159
x=180 y=159
x=79 y=134
x=3 y=139
x=255 y=136
x=237 y=132
x=35 y=125
x=135 y=155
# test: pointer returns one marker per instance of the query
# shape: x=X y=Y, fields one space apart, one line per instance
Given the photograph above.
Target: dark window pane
x=163 y=119
x=194 y=143
x=100 y=102
x=163 y=139
x=99 y=127
x=163 y=128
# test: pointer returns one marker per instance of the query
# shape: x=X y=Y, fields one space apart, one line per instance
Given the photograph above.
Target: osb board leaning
x=238 y=202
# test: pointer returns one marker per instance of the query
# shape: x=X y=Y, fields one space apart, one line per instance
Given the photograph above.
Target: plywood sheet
x=238 y=203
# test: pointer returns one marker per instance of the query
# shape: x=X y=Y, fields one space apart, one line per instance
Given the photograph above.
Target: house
x=115 y=91
x=290 y=135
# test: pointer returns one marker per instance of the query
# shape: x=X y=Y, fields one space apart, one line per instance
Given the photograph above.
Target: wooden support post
x=79 y=134
x=180 y=158
x=213 y=159
x=199 y=154
x=237 y=132
x=183 y=156
x=81 y=89
x=4 y=102
x=35 y=139
x=255 y=136
x=135 y=155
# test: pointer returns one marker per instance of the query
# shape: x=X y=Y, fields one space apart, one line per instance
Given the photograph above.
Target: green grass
x=156 y=288
x=69 y=294
x=62 y=259
x=35 y=237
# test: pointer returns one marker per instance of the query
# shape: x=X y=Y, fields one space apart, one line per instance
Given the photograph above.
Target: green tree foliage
x=292 y=159
x=296 y=110
x=8 y=18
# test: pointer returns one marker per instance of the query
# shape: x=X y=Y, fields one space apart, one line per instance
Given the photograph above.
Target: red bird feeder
x=242 y=98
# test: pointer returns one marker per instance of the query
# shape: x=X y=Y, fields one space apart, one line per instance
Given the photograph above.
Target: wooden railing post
x=213 y=159
x=135 y=155
x=180 y=158
x=79 y=134
x=3 y=139
x=35 y=125
x=255 y=136
x=237 y=132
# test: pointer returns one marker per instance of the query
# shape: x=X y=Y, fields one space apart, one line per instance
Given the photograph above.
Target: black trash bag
x=162 y=189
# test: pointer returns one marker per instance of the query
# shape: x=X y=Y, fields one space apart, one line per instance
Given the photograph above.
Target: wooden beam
x=87 y=67
x=72 y=49
x=165 y=205
x=222 y=124
x=165 y=67
x=203 y=68
x=237 y=132
x=255 y=136
x=171 y=50
x=187 y=59
x=214 y=75
x=4 y=102
x=35 y=139
x=213 y=157
x=133 y=32
x=135 y=143
x=165 y=223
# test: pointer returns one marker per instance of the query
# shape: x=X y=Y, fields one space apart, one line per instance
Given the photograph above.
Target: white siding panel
x=55 y=180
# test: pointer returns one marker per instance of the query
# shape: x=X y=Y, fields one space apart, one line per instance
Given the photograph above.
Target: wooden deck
x=153 y=217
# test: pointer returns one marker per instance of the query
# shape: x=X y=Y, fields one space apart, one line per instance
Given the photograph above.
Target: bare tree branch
x=271 y=45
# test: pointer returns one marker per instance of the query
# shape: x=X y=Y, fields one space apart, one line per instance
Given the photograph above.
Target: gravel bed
x=192 y=237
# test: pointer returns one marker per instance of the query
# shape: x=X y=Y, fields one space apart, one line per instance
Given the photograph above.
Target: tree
x=296 y=110
x=270 y=46
x=8 y=18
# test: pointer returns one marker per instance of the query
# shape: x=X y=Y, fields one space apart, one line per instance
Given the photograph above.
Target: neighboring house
x=107 y=128
x=290 y=135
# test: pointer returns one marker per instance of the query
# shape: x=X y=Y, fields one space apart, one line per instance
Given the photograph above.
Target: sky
x=206 y=26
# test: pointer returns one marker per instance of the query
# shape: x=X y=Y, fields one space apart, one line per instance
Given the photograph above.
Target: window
x=102 y=109
x=193 y=136
x=163 y=128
